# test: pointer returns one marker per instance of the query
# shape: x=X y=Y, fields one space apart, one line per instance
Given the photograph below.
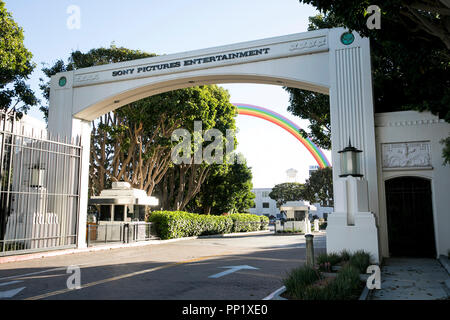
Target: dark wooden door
x=410 y=217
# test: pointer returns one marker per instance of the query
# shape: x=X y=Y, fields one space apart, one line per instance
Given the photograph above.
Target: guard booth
x=120 y=215
x=297 y=219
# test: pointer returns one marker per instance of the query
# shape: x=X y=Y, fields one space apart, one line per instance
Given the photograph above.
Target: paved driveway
x=238 y=267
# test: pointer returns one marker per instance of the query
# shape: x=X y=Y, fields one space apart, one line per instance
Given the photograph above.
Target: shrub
x=325 y=261
x=245 y=222
x=360 y=260
x=177 y=224
x=347 y=284
x=299 y=279
x=345 y=255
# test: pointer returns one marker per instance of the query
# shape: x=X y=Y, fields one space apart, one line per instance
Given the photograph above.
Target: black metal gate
x=410 y=217
x=39 y=189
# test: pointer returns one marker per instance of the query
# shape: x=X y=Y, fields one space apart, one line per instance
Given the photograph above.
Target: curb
x=276 y=295
x=365 y=294
x=55 y=253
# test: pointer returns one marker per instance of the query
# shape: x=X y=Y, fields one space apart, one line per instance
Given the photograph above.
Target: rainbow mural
x=286 y=124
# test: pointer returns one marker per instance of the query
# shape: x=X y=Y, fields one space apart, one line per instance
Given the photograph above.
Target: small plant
x=347 y=284
x=345 y=255
x=325 y=267
x=331 y=258
x=299 y=279
x=360 y=260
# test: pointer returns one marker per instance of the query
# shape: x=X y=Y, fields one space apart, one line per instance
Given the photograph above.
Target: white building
x=264 y=205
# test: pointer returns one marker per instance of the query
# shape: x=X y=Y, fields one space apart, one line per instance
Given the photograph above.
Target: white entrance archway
x=330 y=61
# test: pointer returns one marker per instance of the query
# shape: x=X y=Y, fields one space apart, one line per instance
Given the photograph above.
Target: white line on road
x=231 y=269
x=10 y=293
x=40 y=272
x=8 y=283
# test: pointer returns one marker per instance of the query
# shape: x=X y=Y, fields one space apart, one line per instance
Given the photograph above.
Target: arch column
x=353 y=224
x=62 y=123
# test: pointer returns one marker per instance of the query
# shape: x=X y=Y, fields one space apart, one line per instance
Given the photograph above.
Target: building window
x=265 y=205
x=265 y=194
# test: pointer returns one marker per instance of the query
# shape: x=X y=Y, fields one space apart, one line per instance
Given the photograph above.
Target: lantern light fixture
x=350 y=161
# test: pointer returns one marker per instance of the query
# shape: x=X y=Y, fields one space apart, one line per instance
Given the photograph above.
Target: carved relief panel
x=406 y=155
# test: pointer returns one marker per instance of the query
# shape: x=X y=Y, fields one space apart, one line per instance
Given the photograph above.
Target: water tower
x=291 y=175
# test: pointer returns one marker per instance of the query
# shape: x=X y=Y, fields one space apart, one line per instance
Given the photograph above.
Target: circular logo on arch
x=62 y=81
x=347 y=38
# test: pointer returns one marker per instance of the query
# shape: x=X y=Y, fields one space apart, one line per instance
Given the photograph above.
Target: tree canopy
x=284 y=192
x=227 y=189
x=319 y=187
x=15 y=66
x=410 y=59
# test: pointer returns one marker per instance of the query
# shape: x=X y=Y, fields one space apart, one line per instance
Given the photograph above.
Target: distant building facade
x=264 y=205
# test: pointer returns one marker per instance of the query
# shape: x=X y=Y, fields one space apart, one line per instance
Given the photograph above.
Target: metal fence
x=39 y=188
x=126 y=232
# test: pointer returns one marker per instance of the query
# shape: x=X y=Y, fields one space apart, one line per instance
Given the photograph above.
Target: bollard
x=309 y=250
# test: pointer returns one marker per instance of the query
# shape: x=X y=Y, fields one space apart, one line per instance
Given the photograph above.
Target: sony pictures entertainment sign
x=190 y=62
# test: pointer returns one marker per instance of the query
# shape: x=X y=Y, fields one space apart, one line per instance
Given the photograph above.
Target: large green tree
x=228 y=188
x=211 y=105
x=15 y=66
x=410 y=59
x=289 y=191
x=319 y=188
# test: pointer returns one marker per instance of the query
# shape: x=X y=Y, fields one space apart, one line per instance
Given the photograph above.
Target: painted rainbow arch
x=286 y=124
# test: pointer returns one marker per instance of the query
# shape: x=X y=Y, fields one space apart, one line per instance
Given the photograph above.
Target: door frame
x=421 y=174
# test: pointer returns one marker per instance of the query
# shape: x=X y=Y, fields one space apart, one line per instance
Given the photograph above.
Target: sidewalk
x=412 y=279
x=111 y=246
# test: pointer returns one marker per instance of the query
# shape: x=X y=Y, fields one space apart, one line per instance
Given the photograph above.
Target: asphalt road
x=197 y=269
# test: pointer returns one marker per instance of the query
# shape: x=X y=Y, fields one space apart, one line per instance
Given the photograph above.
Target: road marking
x=42 y=277
x=231 y=269
x=39 y=272
x=8 y=283
x=128 y=275
x=10 y=293
x=32 y=273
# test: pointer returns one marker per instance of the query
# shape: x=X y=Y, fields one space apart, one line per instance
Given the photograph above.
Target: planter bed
x=334 y=277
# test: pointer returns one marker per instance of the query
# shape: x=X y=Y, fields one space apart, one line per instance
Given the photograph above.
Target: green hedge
x=245 y=222
x=177 y=224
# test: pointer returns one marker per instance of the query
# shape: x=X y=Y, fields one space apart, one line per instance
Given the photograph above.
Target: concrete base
x=360 y=236
x=352 y=227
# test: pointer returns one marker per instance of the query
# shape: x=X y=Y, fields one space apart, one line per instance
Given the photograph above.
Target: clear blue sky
x=172 y=26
